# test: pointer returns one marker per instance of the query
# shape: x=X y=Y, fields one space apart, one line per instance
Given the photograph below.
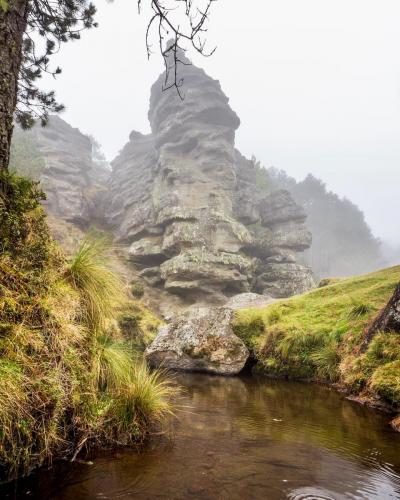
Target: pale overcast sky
x=316 y=84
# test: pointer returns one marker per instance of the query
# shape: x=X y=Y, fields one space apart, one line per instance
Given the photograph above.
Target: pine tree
x=23 y=25
x=32 y=30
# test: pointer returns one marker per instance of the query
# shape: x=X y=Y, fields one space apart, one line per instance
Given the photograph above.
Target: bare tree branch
x=179 y=25
x=168 y=15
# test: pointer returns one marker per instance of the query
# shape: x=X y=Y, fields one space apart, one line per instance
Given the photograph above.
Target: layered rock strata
x=74 y=185
x=189 y=206
x=198 y=224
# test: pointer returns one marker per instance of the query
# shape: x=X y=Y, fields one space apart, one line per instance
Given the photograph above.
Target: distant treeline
x=343 y=244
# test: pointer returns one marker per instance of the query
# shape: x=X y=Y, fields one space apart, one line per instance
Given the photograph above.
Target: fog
x=316 y=84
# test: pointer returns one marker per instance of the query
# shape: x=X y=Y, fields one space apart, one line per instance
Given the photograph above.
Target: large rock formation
x=73 y=183
x=198 y=224
x=190 y=208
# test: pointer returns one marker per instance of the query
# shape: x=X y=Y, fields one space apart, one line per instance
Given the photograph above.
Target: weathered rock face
x=198 y=224
x=74 y=185
x=248 y=299
x=199 y=340
x=190 y=208
x=131 y=210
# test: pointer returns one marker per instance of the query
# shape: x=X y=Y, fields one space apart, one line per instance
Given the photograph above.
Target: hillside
x=71 y=376
x=317 y=336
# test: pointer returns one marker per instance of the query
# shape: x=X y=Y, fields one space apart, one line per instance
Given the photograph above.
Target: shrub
x=137 y=290
x=20 y=209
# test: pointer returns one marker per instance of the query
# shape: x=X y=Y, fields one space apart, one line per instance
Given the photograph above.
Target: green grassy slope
x=70 y=377
x=316 y=336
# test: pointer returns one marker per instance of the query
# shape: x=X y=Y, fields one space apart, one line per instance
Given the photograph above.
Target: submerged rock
x=199 y=340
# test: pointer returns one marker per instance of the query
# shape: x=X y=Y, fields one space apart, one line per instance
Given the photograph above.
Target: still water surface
x=243 y=438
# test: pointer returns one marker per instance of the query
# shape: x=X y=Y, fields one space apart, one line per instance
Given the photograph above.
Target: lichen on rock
x=199 y=340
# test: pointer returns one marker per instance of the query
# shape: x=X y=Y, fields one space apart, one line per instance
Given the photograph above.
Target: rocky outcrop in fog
x=343 y=243
x=73 y=184
x=198 y=224
x=189 y=207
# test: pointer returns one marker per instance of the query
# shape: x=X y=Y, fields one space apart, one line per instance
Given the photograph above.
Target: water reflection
x=243 y=438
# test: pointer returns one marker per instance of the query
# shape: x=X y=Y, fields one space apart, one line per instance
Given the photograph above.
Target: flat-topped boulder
x=199 y=340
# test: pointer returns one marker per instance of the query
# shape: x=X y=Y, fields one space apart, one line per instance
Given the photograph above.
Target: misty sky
x=316 y=84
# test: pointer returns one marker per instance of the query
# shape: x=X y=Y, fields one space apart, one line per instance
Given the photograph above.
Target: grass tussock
x=150 y=393
x=101 y=288
x=69 y=378
x=316 y=336
x=138 y=324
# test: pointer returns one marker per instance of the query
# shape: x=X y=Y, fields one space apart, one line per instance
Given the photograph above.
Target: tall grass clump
x=385 y=381
x=151 y=392
x=326 y=360
x=101 y=289
x=69 y=380
x=358 y=309
x=113 y=363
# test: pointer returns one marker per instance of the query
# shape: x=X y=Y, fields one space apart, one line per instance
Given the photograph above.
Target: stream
x=242 y=438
